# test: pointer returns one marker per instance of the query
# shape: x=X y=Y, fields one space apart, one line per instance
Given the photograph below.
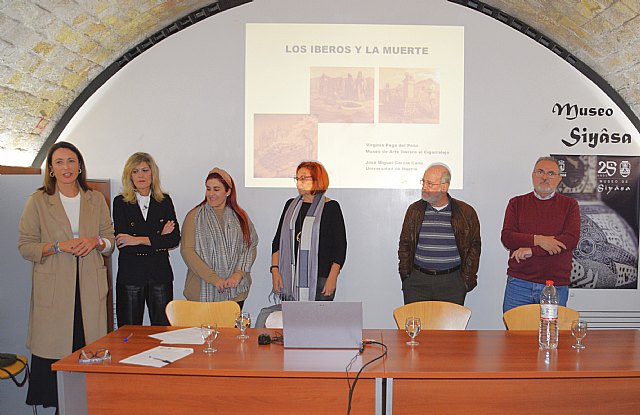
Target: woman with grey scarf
x=310 y=245
x=218 y=244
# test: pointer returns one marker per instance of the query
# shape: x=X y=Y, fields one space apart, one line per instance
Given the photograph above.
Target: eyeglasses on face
x=302 y=178
x=427 y=183
x=549 y=174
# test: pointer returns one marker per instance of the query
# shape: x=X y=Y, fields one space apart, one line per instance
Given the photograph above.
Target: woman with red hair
x=310 y=245
x=218 y=244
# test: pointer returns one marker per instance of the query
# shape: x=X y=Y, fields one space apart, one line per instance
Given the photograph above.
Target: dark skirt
x=43 y=385
x=43 y=388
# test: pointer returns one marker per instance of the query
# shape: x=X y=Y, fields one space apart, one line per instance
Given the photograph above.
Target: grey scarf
x=300 y=277
x=221 y=247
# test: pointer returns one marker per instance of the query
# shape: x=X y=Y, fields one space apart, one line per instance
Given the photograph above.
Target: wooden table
x=503 y=372
x=241 y=378
x=469 y=372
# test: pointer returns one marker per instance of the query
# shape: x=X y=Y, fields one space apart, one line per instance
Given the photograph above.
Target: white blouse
x=71 y=207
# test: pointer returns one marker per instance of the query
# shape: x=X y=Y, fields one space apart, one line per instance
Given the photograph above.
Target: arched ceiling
x=51 y=50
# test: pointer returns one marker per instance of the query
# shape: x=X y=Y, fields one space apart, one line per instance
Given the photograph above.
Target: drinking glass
x=209 y=334
x=578 y=331
x=412 y=326
x=243 y=321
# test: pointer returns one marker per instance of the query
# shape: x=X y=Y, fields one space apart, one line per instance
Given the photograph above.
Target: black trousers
x=43 y=384
x=131 y=299
x=423 y=287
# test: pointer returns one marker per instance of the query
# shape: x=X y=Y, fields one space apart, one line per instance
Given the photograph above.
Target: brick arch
x=175 y=27
x=562 y=52
x=53 y=56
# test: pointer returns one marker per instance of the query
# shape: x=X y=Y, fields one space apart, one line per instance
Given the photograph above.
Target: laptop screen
x=322 y=324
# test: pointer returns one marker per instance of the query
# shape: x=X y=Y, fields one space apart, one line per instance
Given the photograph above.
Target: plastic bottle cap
x=549 y=282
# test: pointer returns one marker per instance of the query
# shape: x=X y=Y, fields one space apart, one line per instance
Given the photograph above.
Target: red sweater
x=527 y=216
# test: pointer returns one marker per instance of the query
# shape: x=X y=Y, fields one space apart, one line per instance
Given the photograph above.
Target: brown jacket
x=54 y=277
x=466 y=228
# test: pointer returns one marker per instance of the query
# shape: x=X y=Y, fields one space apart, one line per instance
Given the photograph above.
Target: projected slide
x=375 y=104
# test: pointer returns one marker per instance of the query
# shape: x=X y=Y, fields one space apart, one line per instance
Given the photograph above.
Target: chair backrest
x=527 y=317
x=434 y=315
x=14 y=369
x=274 y=320
x=195 y=313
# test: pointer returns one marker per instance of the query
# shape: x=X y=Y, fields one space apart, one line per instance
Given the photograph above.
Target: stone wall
x=50 y=50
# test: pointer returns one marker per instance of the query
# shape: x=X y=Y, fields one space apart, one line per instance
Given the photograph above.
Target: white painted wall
x=183 y=102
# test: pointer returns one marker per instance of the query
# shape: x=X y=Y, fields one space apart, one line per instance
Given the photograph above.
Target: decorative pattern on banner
x=606 y=188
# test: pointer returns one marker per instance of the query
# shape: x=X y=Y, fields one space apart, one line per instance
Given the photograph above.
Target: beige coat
x=53 y=278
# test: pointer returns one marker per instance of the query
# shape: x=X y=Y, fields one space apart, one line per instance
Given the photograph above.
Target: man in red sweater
x=540 y=230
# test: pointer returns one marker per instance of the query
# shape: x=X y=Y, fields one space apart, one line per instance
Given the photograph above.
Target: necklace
x=300 y=219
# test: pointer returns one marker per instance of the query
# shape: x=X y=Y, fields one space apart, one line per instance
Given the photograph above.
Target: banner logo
x=625 y=168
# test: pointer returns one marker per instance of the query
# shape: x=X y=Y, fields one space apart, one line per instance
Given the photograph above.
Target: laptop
x=322 y=324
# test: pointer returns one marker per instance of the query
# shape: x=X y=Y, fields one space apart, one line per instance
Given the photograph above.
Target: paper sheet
x=158 y=356
x=190 y=335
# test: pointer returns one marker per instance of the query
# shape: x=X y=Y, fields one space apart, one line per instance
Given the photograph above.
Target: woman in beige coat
x=64 y=230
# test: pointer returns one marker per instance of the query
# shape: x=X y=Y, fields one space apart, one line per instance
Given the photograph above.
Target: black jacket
x=137 y=265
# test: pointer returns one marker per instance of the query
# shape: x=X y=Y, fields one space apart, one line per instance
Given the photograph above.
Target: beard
x=431 y=198
x=544 y=189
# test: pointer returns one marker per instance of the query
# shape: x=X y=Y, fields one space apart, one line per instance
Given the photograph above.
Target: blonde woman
x=64 y=231
x=146 y=229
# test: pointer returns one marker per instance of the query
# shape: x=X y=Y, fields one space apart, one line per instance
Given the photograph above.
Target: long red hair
x=232 y=201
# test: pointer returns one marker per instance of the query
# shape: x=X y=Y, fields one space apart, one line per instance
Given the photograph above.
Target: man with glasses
x=439 y=250
x=540 y=230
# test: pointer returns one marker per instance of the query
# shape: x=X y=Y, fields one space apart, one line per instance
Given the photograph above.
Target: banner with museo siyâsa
x=606 y=188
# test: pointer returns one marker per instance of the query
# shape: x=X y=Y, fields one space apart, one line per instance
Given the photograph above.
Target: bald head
x=435 y=184
x=442 y=169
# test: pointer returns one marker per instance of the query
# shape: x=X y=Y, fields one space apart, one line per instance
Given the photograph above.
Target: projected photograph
x=409 y=96
x=342 y=95
x=376 y=101
x=606 y=188
x=281 y=141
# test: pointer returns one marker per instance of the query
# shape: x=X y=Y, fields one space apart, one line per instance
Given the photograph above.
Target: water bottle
x=548 y=331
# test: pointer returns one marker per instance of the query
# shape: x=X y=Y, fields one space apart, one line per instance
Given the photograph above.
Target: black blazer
x=137 y=265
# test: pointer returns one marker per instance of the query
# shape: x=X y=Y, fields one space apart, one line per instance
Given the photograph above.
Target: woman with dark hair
x=310 y=245
x=146 y=229
x=218 y=244
x=64 y=231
